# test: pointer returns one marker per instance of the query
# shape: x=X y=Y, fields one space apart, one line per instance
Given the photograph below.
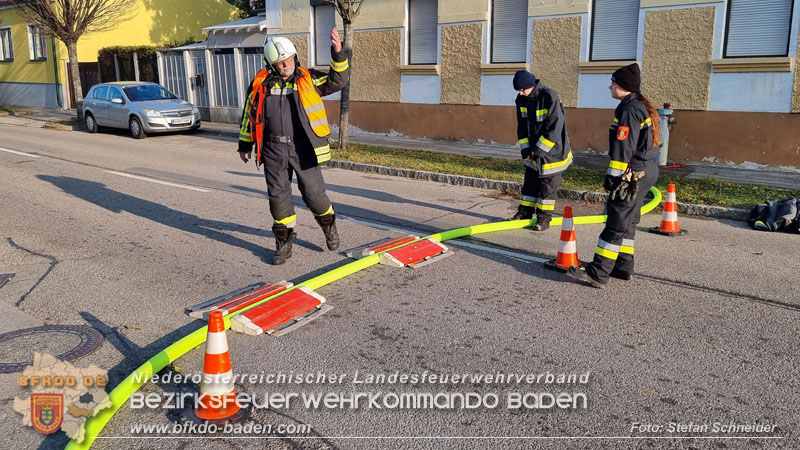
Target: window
x=509 y=31
x=423 y=21
x=615 y=29
x=758 y=28
x=147 y=93
x=324 y=21
x=116 y=93
x=37 y=43
x=6 y=46
x=101 y=93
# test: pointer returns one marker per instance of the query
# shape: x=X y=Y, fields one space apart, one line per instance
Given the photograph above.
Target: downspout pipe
x=55 y=71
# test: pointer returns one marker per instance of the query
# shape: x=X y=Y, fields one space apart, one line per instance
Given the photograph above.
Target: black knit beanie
x=628 y=78
x=523 y=80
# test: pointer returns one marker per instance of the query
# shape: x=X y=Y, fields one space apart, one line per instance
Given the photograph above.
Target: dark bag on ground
x=777 y=216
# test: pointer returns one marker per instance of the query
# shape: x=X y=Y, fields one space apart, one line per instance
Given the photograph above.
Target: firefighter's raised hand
x=246 y=155
x=336 y=41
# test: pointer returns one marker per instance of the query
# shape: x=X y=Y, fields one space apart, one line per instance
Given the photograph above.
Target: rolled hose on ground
x=120 y=394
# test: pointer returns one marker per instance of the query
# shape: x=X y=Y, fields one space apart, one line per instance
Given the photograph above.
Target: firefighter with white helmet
x=278 y=49
x=285 y=118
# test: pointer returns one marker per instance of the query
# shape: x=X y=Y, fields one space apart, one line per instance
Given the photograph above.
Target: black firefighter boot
x=283 y=243
x=328 y=224
x=523 y=213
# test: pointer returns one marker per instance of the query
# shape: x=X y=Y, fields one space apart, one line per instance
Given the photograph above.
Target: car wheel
x=91 y=124
x=136 y=128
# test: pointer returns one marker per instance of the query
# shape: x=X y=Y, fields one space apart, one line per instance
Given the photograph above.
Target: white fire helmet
x=277 y=49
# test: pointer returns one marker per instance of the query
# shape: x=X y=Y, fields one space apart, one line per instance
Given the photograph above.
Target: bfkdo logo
x=47 y=412
x=62 y=396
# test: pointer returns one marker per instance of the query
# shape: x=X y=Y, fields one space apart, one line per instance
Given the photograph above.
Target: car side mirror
x=118 y=101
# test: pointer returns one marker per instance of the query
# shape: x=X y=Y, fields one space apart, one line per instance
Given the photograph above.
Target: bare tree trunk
x=72 y=50
x=344 y=103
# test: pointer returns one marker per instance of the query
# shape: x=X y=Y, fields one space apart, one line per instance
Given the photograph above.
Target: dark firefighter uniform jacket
x=542 y=131
x=630 y=138
x=284 y=114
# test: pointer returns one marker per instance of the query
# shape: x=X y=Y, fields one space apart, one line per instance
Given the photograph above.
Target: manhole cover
x=67 y=342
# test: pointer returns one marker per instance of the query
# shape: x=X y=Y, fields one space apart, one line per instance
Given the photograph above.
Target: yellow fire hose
x=122 y=392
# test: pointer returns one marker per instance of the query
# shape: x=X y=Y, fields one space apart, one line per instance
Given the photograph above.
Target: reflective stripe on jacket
x=313 y=107
x=307 y=87
x=630 y=137
x=541 y=125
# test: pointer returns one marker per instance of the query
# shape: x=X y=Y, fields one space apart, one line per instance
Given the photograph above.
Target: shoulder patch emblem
x=623 y=132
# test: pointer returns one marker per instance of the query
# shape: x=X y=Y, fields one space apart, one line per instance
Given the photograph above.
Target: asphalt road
x=122 y=235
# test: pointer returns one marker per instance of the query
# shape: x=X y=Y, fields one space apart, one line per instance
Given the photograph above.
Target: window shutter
x=509 y=30
x=324 y=21
x=422 y=31
x=32 y=55
x=758 y=28
x=6 y=46
x=615 y=30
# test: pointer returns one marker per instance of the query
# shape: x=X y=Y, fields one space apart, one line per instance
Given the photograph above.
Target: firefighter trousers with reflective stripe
x=615 y=248
x=539 y=194
x=280 y=164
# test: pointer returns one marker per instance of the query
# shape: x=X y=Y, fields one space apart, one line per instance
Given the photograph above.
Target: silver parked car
x=141 y=107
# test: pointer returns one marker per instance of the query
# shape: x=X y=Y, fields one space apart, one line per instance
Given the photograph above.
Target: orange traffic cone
x=669 y=220
x=567 y=245
x=217 y=403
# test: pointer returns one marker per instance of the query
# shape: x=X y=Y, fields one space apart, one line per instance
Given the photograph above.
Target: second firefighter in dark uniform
x=544 y=146
x=285 y=117
x=633 y=170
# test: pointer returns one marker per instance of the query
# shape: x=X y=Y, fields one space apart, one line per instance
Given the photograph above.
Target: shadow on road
x=117 y=202
x=392 y=198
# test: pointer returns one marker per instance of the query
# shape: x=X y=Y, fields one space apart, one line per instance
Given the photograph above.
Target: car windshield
x=147 y=92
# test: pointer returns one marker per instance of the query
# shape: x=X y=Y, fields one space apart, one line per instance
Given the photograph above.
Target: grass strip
x=707 y=191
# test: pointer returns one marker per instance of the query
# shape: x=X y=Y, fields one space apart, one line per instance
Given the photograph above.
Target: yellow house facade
x=33 y=65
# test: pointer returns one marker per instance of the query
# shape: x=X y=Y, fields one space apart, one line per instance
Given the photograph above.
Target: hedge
x=148 y=64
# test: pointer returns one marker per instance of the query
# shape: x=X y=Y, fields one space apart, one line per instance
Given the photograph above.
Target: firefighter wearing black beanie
x=544 y=147
x=633 y=149
x=628 y=78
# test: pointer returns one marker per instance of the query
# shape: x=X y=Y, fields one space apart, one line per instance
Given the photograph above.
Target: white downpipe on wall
x=189 y=71
x=241 y=90
x=212 y=97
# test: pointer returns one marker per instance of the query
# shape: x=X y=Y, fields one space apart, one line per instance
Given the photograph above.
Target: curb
x=216 y=132
x=62 y=127
x=718 y=212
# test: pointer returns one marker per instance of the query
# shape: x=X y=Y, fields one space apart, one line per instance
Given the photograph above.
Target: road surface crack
x=53 y=262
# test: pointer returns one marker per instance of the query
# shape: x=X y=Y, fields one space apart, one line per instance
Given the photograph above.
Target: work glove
x=526 y=152
x=633 y=187
x=628 y=187
x=611 y=183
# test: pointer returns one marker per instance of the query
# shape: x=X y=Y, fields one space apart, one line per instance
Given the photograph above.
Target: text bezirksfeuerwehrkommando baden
x=359 y=378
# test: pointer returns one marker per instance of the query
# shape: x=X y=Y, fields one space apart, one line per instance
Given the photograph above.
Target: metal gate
x=89 y=74
x=174 y=77
x=198 y=80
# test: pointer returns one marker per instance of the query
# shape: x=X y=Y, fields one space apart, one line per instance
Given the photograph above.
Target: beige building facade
x=443 y=69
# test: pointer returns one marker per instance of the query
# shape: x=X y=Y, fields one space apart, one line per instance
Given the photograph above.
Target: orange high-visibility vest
x=309 y=98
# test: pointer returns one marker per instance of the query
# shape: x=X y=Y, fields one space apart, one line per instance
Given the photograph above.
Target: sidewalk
x=764 y=176
x=741 y=174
